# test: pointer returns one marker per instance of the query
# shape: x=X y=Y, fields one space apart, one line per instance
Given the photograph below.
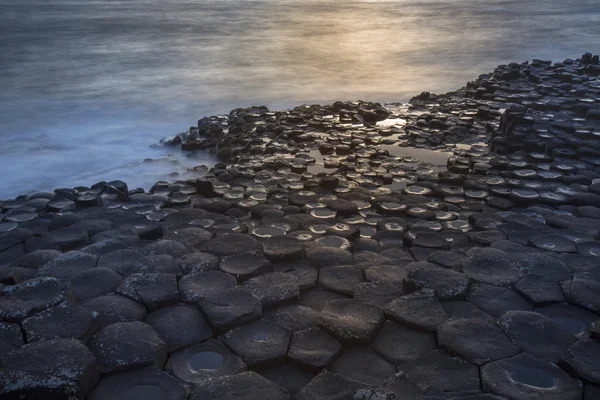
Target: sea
x=89 y=87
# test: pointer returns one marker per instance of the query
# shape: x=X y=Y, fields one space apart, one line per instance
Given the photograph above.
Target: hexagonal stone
x=154 y=290
x=32 y=296
x=326 y=256
x=179 y=326
x=191 y=237
x=363 y=365
x=377 y=293
x=399 y=344
x=145 y=383
x=536 y=334
x=67 y=265
x=464 y=309
x=573 y=319
x=195 y=287
x=244 y=386
x=288 y=377
x=539 y=290
x=115 y=308
x=477 y=341
x=274 y=288
x=49 y=366
x=329 y=386
x=341 y=279
x=543 y=265
x=492 y=266
x=167 y=247
x=198 y=262
x=67 y=238
x=62 y=322
x=293 y=316
x=104 y=246
x=313 y=349
x=231 y=243
x=37 y=259
x=261 y=344
x=584 y=291
x=525 y=377
x=553 y=242
x=95 y=282
x=11 y=338
x=583 y=360
x=496 y=300
x=317 y=298
x=439 y=369
x=448 y=284
x=125 y=262
x=403 y=388
x=245 y=265
x=350 y=321
x=127 y=345
x=230 y=308
x=207 y=360
x=283 y=248
x=303 y=271
x=419 y=310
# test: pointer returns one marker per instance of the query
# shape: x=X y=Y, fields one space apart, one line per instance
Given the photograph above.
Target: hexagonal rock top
x=244 y=386
x=146 y=383
x=32 y=296
x=127 y=345
x=352 y=322
x=261 y=344
x=274 y=288
x=525 y=377
x=231 y=243
x=49 y=366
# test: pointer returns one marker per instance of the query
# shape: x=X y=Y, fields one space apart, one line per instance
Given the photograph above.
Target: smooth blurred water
x=86 y=86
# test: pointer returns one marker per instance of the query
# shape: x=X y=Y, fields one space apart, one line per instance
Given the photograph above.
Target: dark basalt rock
x=61 y=322
x=496 y=300
x=364 y=366
x=67 y=238
x=283 y=248
x=420 y=310
x=244 y=386
x=492 y=266
x=293 y=316
x=539 y=290
x=261 y=344
x=55 y=367
x=525 y=377
x=32 y=296
x=321 y=257
x=230 y=308
x=377 y=293
x=274 y=288
x=11 y=339
x=448 y=284
x=95 y=282
x=198 y=262
x=195 y=287
x=399 y=344
x=37 y=259
x=464 y=309
x=313 y=349
x=127 y=345
x=302 y=270
x=230 y=244
x=350 y=321
x=440 y=370
x=329 y=386
x=168 y=247
x=289 y=378
x=179 y=326
x=113 y=308
x=203 y=361
x=147 y=383
x=245 y=265
x=153 y=290
x=571 y=318
x=584 y=291
x=476 y=340
x=342 y=279
x=69 y=264
x=582 y=360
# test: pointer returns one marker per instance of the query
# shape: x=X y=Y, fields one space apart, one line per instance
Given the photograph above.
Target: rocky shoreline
x=330 y=256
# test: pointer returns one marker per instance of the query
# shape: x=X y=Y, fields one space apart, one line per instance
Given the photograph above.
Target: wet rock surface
x=455 y=239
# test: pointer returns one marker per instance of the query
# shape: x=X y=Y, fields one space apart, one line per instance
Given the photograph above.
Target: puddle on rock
x=205 y=360
x=532 y=377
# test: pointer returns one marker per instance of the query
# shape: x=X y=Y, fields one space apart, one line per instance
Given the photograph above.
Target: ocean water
x=88 y=86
